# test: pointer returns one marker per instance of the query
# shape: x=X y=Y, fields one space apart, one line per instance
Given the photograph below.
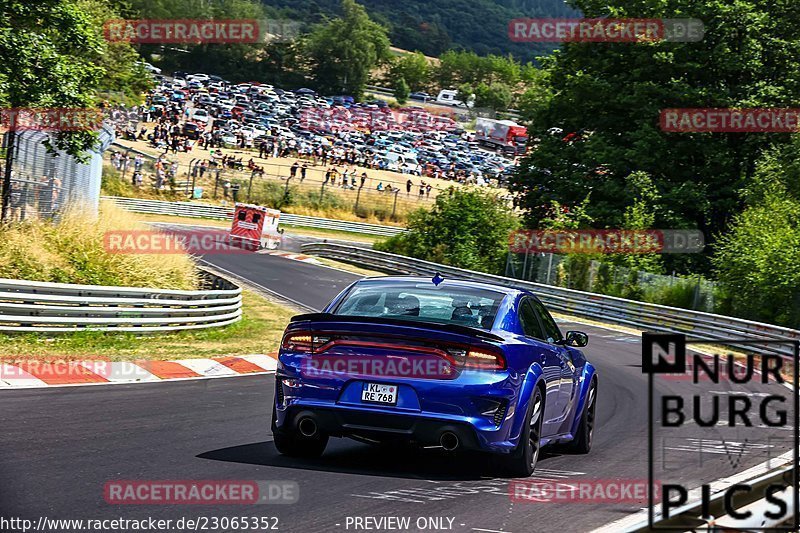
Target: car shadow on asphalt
x=350 y=457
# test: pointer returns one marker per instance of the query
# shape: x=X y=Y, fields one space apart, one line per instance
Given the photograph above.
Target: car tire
x=293 y=444
x=582 y=443
x=522 y=461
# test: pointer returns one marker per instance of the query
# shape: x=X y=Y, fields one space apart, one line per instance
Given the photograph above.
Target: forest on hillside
x=433 y=27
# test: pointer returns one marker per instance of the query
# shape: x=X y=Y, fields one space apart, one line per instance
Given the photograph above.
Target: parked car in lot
x=474 y=366
x=429 y=143
x=200 y=115
x=191 y=130
x=229 y=139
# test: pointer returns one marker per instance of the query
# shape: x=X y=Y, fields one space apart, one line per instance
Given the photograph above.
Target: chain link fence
x=44 y=183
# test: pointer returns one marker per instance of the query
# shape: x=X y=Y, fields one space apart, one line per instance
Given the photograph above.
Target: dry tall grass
x=73 y=250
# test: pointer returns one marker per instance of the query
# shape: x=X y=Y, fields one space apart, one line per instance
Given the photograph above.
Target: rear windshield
x=423 y=302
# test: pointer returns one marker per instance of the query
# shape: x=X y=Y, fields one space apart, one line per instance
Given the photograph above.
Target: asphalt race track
x=59 y=446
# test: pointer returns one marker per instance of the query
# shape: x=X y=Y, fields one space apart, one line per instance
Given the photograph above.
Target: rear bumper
x=377 y=426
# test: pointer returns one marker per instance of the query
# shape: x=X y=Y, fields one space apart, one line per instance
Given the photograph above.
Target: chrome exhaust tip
x=307 y=427
x=449 y=441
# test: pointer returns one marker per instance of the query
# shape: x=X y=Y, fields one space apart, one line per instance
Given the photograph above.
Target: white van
x=448 y=96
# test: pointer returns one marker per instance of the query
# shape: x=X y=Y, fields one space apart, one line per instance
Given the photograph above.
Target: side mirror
x=577 y=339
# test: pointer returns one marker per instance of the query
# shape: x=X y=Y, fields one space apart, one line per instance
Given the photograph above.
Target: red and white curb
x=34 y=374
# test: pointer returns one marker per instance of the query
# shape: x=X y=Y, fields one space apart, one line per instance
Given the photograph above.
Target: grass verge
x=74 y=250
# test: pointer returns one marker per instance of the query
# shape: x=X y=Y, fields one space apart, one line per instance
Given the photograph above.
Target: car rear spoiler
x=449 y=328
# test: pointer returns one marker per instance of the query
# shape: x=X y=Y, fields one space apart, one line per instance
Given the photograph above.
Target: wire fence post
x=394 y=207
x=194 y=183
x=358 y=197
x=10 y=145
x=193 y=175
x=250 y=186
x=285 y=198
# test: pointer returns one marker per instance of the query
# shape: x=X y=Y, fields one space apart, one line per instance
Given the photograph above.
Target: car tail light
x=485 y=359
x=297 y=342
x=482 y=358
x=304 y=341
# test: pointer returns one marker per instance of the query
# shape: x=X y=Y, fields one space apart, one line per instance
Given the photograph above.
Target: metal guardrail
x=641 y=315
x=34 y=306
x=197 y=210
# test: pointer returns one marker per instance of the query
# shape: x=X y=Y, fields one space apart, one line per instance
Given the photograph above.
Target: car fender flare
x=533 y=377
x=587 y=376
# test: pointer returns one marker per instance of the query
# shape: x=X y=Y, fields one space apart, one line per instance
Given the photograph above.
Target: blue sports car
x=438 y=364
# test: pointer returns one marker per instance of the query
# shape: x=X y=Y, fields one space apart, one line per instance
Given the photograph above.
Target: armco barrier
x=197 y=210
x=33 y=306
x=640 y=315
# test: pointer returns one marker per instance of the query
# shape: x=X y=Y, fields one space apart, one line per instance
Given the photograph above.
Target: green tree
x=607 y=100
x=124 y=78
x=413 y=68
x=343 y=51
x=758 y=261
x=536 y=96
x=401 y=91
x=496 y=96
x=641 y=215
x=465 y=92
x=457 y=67
x=467 y=228
x=50 y=51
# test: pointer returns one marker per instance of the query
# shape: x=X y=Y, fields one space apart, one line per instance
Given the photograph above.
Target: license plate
x=379 y=393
